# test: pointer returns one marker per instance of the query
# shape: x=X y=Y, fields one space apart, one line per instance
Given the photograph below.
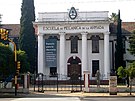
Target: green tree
x=22 y=57
x=127 y=72
x=113 y=17
x=131 y=70
x=119 y=45
x=27 y=38
x=7 y=65
x=122 y=72
x=132 y=44
x=7 y=62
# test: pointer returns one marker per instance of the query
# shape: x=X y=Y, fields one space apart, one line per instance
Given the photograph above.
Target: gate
x=58 y=83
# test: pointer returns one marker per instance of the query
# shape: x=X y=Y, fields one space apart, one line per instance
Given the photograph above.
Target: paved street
x=71 y=99
x=6 y=99
x=42 y=99
x=66 y=96
x=110 y=99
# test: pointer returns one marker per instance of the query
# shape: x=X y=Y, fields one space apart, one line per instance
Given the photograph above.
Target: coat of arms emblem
x=72 y=13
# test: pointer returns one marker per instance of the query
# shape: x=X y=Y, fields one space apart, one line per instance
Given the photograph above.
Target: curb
x=81 y=95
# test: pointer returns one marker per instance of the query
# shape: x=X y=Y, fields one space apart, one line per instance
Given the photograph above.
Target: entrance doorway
x=74 y=67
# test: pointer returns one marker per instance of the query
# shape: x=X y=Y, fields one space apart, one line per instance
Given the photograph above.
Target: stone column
x=106 y=56
x=62 y=53
x=84 y=52
x=41 y=60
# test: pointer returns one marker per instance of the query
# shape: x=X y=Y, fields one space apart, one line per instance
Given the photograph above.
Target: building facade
x=72 y=42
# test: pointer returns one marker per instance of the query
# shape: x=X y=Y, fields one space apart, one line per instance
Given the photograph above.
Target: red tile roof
x=14 y=29
x=127 y=27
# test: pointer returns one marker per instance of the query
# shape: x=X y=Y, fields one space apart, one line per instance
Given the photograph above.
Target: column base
x=86 y=80
x=106 y=76
x=86 y=89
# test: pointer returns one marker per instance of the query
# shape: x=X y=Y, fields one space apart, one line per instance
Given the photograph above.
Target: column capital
x=39 y=34
x=62 y=33
x=106 y=33
x=84 y=33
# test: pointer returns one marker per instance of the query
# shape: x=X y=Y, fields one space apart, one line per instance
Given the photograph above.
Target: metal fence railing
x=56 y=83
x=42 y=83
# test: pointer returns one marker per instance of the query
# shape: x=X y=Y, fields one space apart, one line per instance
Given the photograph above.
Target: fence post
x=38 y=82
x=80 y=82
x=57 y=82
x=130 y=86
x=34 y=81
x=42 y=84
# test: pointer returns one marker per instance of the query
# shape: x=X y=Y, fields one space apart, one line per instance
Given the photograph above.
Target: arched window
x=95 y=43
x=74 y=44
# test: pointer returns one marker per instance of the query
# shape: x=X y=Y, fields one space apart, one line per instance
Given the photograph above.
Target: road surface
x=71 y=99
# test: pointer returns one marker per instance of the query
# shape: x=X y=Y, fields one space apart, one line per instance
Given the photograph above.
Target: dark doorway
x=74 y=67
x=53 y=71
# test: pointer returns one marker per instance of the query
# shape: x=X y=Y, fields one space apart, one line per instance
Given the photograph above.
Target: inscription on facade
x=73 y=27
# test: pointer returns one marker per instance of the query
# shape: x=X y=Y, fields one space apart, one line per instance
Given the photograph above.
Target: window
x=74 y=44
x=95 y=44
x=95 y=67
x=53 y=71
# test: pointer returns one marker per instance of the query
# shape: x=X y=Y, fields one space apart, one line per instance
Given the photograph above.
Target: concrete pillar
x=86 y=80
x=62 y=53
x=84 y=52
x=106 y=55
x=41 y=60
x=26 y=80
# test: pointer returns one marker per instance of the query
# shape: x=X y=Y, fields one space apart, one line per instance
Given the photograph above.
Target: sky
x=11 y=9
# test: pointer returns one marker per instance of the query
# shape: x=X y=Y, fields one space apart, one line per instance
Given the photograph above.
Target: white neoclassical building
x=72 y=42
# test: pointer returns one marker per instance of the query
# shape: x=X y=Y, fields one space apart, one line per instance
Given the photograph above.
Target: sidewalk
x=79 y=94
x=63 y=94
x=94 y=93
x=83 y=94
